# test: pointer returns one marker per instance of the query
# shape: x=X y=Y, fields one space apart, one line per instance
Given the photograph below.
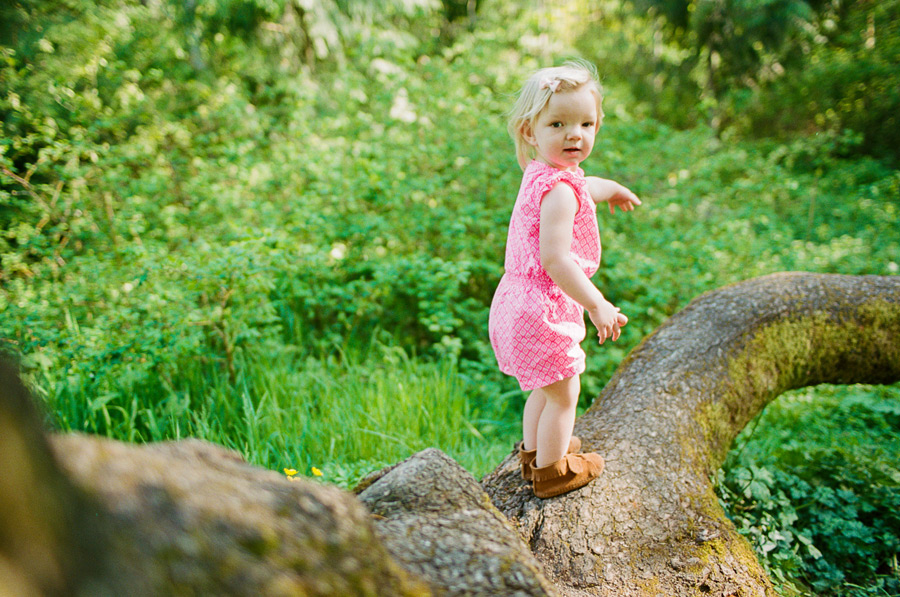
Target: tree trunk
x=436 y=521
x=651 y=524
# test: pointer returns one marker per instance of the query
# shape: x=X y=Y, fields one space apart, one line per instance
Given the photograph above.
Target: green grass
x=346 y=414
x=351 y=414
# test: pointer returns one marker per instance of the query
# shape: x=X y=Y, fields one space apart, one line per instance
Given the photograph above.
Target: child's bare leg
x=530 y=417
x=557 y=419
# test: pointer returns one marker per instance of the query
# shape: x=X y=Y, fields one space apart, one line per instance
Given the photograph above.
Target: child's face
x=563 y=132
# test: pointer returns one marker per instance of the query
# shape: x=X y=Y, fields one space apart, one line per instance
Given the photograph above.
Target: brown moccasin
x=572 y=472
x=526 y=457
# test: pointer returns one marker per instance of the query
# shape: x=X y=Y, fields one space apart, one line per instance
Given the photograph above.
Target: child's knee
x=564 y=393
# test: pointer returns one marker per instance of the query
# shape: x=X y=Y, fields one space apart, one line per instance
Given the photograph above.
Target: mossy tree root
x=651 y=525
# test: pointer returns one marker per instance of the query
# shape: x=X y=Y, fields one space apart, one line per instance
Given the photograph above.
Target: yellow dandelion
x=290 y=472
x=316 y=472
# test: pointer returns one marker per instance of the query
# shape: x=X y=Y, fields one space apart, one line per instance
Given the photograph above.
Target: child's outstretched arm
x=558 y=211
x=614 y=194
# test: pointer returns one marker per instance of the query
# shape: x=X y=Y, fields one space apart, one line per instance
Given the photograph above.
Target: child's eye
x=556 y=125
x=588 y=124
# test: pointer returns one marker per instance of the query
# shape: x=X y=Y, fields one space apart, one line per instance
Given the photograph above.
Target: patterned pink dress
x=535 y=328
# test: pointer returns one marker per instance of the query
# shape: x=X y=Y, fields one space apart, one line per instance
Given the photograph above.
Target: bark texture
x=436 y=520
x=41 y=512
x=192 y=518
x=651 y=524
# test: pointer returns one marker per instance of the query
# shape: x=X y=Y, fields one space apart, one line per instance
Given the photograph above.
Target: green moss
x=811 y=349
x=789 y=354
x=264 y=541
x=650 y=586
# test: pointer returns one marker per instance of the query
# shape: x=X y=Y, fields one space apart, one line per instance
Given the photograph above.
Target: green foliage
x=818 y=496
x=646 y=74
x=708 y=50
x=760 y=68
x=849 y=84
x=172 y=235
x=242 y=206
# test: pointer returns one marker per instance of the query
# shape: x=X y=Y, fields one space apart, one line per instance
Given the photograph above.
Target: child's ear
x=527 y=132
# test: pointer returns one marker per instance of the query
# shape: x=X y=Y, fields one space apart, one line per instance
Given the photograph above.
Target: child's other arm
x=558 y=211
x=612 y=193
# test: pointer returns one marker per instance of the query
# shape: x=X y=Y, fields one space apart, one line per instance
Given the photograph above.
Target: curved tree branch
x=651 y=524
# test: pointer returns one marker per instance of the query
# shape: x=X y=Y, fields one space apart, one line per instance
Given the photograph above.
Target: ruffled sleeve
x=548 y=177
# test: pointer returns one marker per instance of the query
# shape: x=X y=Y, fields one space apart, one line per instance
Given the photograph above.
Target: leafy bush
x=818 y=497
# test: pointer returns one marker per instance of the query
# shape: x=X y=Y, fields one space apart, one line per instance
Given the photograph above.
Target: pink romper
x=535 y=328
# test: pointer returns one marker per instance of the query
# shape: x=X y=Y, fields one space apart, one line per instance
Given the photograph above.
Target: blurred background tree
x=774 y=68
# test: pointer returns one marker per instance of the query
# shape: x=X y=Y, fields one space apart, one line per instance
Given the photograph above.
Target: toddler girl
x=553 y=247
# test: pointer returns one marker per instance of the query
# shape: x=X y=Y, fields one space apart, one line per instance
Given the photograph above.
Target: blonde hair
x=536 y=92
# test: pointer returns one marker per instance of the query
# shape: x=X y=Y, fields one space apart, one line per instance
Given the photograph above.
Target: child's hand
x=608 y=320
x=622 y=198
x=616 y=195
